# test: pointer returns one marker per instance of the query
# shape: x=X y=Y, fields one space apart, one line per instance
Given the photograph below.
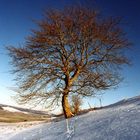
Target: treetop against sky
x=17 y=21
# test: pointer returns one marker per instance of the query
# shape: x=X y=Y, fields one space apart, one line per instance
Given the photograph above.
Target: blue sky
x=16 y=22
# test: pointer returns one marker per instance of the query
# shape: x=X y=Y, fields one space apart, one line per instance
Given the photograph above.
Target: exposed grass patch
x=11 y=117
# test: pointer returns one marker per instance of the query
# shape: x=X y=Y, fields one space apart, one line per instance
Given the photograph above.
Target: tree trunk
x=66 y=106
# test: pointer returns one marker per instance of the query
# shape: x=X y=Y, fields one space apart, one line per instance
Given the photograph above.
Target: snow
x=8 y=130
x=11 y=109
x=120 y=121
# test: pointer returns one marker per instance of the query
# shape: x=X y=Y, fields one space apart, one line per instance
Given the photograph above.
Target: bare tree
x=76 y=104
x=74 y=50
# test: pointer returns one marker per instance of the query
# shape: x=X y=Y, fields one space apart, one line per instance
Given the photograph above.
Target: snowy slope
x=10 y=109
x=120 y=121
x=22 y=110
x=8 y=130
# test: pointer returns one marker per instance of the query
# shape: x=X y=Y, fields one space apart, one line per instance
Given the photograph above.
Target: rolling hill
x=17 y=114
x=119 y=121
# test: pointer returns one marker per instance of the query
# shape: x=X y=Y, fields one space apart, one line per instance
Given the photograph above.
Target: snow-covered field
x=8 y=130
x=10 y=109
x=120 y=121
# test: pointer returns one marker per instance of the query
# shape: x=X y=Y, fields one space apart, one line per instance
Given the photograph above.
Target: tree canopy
x=74 y=51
